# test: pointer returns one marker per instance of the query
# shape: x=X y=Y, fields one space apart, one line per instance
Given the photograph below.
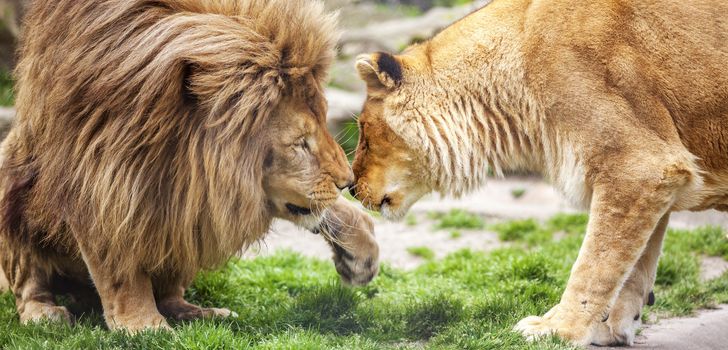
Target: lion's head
x=304 y=169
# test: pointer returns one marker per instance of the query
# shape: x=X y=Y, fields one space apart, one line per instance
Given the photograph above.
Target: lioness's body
x=623 y=105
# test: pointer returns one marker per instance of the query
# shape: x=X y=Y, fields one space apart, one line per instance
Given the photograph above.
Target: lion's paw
x=38 y=312
x=179 y=309
x=222 y=313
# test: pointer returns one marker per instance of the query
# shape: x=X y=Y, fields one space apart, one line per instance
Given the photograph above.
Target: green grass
x=517 y=193
x=467 y=300
x=532 y=232
x=451 y=3
x=422 y=252
x=6 y=89
x=348 y=138
x=457 y=219
x=456 y=234
x=411 y=220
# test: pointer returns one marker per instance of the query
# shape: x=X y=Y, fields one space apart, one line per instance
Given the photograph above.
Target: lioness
x=623 y=105
x=155 y=138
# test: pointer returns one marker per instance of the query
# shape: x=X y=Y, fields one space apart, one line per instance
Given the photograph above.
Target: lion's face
x=304 y=168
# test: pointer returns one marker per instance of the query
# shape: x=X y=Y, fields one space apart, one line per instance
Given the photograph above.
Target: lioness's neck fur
x=479 y=116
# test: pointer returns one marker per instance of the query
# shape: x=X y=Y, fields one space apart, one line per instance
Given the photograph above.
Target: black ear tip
x=389 y=65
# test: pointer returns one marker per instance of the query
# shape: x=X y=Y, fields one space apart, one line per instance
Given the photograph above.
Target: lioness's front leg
x=624 y=213
x=625 y=316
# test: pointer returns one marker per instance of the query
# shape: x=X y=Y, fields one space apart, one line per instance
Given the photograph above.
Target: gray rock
x=343 y=105
x=396 y=34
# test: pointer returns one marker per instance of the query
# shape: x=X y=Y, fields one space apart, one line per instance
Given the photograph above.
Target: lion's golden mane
x=144 y=142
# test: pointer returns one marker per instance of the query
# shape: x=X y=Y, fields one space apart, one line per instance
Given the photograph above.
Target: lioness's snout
x=350 y=233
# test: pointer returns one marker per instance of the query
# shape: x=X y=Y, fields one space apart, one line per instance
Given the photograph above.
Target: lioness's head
x=304 y=168
x=391 y=171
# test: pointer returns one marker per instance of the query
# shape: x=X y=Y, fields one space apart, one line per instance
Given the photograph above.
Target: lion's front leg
x=350 y=233
x=625 y=317
x=127 y=299
x=623 y=216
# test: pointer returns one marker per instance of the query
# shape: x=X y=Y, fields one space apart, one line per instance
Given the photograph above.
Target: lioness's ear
x=381 y=71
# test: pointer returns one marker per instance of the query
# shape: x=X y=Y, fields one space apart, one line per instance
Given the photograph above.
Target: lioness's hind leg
x=625 y=316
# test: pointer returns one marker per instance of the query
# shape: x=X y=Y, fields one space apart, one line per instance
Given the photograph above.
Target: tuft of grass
x=328 y=309
x=427 y=318
x=517 y=193
x=451 y=3
x=411 y=220
x=458 y=219
x=708 y=240
x=422 y=252
x=455 y=234
x=7 y=97
x=348 y=138
x=532 y=232
x=568 y=223
x=528 y=231
x=467 y=300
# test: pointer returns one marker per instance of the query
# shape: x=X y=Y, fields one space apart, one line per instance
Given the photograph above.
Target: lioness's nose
x=347 y=182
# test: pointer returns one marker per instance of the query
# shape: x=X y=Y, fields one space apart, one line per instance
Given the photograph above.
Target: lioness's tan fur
x=155 y=138
x=623 y=105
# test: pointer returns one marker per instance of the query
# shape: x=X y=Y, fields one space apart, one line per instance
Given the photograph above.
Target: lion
x=622 y=105
x=157 y=138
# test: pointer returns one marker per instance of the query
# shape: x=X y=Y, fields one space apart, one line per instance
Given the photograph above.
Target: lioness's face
x=304 y=168
x=391 y=174
x=388 y=173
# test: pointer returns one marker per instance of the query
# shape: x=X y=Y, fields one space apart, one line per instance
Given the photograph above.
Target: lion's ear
x=380 y=71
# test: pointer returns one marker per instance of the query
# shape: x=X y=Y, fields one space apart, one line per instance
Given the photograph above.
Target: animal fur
x=142 y=134
x=623 y=105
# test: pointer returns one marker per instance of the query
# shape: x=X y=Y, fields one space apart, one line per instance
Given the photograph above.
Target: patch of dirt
x=705 y=331
x=393 y=238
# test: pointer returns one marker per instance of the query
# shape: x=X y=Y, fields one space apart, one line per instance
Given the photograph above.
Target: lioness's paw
x=609 y=334
x=535 y=327
x=45 y=312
